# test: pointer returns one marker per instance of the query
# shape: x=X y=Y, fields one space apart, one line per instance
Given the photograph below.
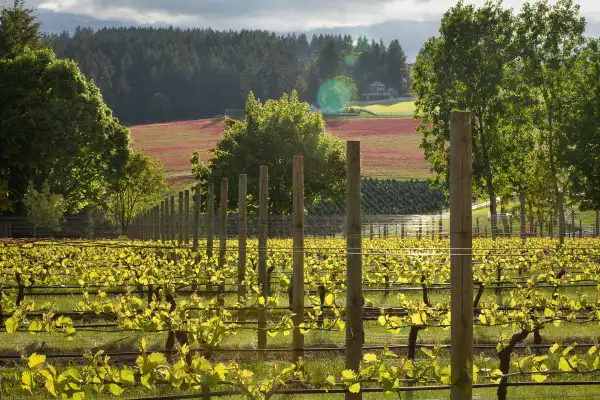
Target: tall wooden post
x=298 y=248
x=157 y=222
x=223 y=222
x=550 y=227
x=163 y=221
x=153 y=222
x=354 y=297
x=440 y=226
x=210 y=219
x=223 y=233
x=173 y=218
x=531 y=225
x=461 y=276
x=243 y=233
x=180 y=219
x=597 y=223
x=142 y=227
x=197 y=204
x=561 y=218
x=142 y=217
x=186 y=217
x=523 y=214
x=263 y=231
x=148 y=226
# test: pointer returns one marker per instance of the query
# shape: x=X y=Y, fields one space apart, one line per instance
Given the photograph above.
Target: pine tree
x=397 y=73
x=18 y=30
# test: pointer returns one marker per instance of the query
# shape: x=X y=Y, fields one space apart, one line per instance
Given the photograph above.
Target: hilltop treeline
x=152 y=75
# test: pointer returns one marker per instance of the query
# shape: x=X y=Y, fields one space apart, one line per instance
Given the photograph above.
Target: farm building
x=378 y=91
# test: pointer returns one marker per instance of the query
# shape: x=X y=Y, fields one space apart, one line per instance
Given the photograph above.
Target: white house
x=378 y=91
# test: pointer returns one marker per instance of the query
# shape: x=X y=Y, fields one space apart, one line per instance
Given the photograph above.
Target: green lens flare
x=333 y=96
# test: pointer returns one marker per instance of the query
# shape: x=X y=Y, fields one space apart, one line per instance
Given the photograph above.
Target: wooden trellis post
x=186 y=217
x=210 y=220
x=223 y=233
x=197 y=204
x=523 y=214
x=163 y=221
x=298 y=248
x=180 y=219
x=354 y=297
x=243 y=233
x=461 y=275
x=173 y=219
x=263 y=232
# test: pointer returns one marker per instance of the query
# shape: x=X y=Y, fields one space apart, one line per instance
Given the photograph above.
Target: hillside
x=390 y=146
x=152 y=75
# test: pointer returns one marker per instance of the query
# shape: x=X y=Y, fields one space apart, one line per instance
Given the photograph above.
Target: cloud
x=276 y=15
x=222 y=14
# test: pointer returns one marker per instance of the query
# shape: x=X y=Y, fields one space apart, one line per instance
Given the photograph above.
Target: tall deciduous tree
x=271 y=134
x=583 y=133
x=55 y=128
x=140 y=183
x=550 y=39
x=463 y=68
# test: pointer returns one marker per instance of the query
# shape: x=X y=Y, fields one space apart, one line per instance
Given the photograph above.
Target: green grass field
x=405 y=107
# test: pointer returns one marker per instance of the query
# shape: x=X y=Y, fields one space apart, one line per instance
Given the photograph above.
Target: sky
x=410 y=21
x=276 y=15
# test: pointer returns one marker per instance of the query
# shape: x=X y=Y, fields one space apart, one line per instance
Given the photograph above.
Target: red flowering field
x=390 y=146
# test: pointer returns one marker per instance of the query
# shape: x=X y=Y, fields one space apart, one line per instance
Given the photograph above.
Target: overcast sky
x=277 y=15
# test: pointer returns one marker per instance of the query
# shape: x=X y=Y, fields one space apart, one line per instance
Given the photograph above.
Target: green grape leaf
x=538 y=377
x=12 y=324
x=35 y=360
x=128 y=375
x=563 y=365
x=330 y=380
x=115 y=389
x=27 y=381
x=348 y=375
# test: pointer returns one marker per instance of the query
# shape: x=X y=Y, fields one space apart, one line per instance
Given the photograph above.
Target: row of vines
x=192 y=312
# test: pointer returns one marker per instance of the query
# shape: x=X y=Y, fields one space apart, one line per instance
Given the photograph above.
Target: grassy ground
x=405 y=108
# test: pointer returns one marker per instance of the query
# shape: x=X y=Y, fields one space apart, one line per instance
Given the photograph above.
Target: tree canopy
x=18 y=30
x=141 y=182
x=464 y=68
x=152 y=75
x=270 y=135
x=530 y=80
x=54 y=125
